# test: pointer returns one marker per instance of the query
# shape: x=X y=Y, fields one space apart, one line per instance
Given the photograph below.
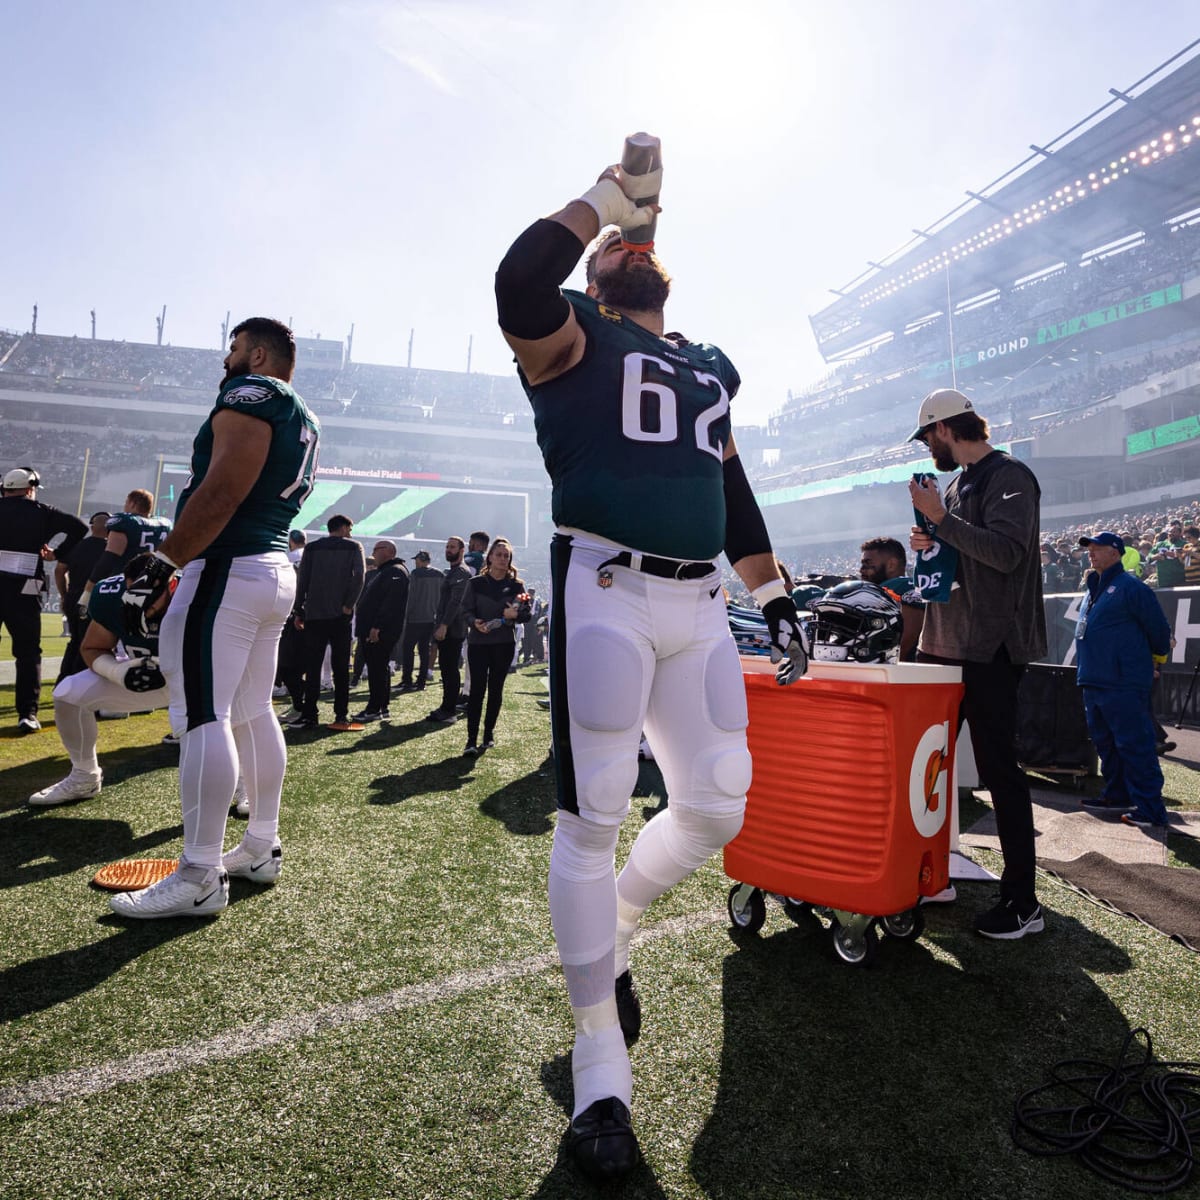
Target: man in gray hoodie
x=424 y=591
x=992 y=625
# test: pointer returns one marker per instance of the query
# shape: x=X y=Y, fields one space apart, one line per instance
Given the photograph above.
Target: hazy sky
x=369 y=162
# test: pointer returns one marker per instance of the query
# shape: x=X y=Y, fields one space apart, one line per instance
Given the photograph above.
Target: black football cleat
x=601 y=1141
x=629 y=1008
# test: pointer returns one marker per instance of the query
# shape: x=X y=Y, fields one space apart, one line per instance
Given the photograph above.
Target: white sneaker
x=947 y=895
x=79 y=785
x=257 y=866
x=176 y=897
x=241 y=801
x=278 y=693
x=286 y=718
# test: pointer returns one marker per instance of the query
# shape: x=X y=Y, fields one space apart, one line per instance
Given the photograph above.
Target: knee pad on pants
x=583 y=850
x=693 y=835
x=720 y=779
x=606 y=687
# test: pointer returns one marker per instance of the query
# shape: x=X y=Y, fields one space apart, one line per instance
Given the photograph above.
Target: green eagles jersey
x=105 y=607
x=262 y=520
x=905 y=590
x=633 y=436
x=142 y=534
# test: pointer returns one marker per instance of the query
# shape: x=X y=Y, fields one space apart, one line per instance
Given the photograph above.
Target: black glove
x=144 y=676
x=789 y=642
x=147 y=577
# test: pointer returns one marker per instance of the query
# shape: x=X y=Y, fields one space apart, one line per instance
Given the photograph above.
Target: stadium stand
x=1063 y=298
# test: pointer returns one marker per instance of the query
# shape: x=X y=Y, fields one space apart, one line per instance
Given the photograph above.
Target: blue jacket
x=1121 y=625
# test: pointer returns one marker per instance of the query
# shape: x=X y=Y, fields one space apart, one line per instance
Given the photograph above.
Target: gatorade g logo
x=929 y=780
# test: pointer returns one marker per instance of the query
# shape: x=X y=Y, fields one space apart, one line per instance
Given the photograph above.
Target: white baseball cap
x=940 y=406
x=20 y=478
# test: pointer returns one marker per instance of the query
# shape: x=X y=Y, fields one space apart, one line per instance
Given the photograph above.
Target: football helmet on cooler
x=856 y=622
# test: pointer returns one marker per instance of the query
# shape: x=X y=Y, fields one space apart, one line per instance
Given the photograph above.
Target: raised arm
x=535 y=317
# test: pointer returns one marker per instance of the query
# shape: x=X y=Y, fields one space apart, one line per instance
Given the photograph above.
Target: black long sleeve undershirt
x=528 y=300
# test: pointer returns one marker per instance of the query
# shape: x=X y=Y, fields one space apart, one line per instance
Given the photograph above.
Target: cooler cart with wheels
x=849 y=810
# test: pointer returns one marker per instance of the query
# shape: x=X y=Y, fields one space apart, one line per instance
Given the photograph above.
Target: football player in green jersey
x=885 y=564
x=107 y=682
x=253 y=465
x=634 y=427
x=133 y=531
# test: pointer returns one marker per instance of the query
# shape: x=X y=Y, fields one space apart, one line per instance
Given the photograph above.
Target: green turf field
x=389 y=1020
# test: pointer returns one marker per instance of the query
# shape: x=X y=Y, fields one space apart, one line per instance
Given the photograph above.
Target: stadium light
x=1064 y=195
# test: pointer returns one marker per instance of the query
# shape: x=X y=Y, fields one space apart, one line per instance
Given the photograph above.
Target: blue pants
x=1122 y=730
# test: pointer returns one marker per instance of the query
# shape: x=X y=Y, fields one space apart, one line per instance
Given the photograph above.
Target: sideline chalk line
x=236 y=1043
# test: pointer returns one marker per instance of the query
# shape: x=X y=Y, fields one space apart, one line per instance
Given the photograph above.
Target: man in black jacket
x=327 y=588
x=26 y=525
x=378 y=622
x=450 y=630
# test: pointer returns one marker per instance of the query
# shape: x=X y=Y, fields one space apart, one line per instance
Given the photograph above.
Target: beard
x=941 y=455
x=636 y=285
x=236 y=367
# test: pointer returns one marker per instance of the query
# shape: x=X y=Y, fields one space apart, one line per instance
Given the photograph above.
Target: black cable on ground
x=1135 y=1122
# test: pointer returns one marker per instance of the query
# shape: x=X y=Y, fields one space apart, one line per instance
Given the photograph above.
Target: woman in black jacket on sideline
x=494 y=602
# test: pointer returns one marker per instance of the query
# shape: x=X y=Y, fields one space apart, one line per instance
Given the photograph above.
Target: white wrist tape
x=173 y=565
x=108 y=667
x=773 y=589
x=612 y=206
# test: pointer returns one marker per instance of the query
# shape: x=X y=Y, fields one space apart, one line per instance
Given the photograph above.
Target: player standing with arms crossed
x=648 y=488
x=253 y=464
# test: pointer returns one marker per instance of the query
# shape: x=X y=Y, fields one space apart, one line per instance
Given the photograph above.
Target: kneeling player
x=108 y=682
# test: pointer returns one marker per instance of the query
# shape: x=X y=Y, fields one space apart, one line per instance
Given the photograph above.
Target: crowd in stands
x=1073 y=397
x=1162 y=259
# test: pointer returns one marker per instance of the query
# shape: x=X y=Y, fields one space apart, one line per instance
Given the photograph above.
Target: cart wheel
x=905 y=926
x=797 y=910
x=747 y=908
x=858 y=952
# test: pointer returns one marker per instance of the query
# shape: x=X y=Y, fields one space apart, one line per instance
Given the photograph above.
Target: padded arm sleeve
x=528 y=300
x=745 y=529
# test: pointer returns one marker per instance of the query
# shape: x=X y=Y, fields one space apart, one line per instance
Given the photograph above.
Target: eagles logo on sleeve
x=247 y=393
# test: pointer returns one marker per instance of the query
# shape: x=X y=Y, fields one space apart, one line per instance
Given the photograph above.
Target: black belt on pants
x=663 y=568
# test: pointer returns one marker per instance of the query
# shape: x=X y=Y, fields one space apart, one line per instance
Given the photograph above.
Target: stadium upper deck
x=1128 y=169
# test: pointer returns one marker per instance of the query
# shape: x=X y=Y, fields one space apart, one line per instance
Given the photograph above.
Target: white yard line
x=89 y=1081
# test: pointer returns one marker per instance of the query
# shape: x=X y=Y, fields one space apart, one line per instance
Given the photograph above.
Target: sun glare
x=727 y=71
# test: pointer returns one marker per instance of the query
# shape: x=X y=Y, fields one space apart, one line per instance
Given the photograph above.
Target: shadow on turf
x=526 y=805
x=898 y=1081
x=41 y=983
x=448 y=775
x=119 y=765
x=34 y=846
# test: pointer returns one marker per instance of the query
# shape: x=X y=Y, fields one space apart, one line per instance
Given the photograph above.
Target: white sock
x=628 y=916
x=208 y=770
x=77 y=729
x=262 y=753
x=600 y=1064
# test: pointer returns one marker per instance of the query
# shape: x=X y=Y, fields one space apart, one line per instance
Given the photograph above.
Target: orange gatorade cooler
x=849 y=808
